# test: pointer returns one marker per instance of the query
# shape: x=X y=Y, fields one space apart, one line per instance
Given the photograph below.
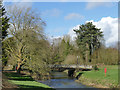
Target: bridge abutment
x=71 y=72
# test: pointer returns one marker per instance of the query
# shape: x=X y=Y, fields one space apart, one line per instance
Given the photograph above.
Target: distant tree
x=107 y=56
x=88 y=39
x=60 y=48
x=65 y=48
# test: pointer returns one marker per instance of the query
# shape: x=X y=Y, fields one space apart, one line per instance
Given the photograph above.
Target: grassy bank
x=98 y=79
x=24 y=81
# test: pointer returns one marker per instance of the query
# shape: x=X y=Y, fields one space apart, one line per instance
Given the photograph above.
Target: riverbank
x=60 y=80
x=97 y=78
x=22 y=81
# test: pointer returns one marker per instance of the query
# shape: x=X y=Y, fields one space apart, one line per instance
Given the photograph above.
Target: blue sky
x=54 y=15
x=61 y=17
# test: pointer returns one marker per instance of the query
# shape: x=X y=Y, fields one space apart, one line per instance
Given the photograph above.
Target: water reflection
x=61 y=80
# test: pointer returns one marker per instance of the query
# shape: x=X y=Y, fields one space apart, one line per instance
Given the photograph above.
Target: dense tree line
x=107 y=56
x=89 y=48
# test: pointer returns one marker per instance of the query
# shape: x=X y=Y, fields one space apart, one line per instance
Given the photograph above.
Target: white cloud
x=72 y=33
x=19 y=0
x=52 y=12
x=101 y=0
x=73 y=16
x=91 y=5
x=56 y=40
x=61 y=0
x=19 y=4
x=64 y=0
x=108 y=25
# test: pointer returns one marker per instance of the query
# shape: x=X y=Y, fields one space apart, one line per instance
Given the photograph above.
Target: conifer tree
x=3 y=31
x=5 y=20
x=88 y=39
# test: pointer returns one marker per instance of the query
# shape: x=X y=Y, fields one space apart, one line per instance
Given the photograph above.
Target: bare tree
x=26 y=28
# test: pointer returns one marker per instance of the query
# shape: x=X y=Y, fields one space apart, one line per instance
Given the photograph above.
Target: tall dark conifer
x=88 y=39
x=4 y=26
x=4 y=20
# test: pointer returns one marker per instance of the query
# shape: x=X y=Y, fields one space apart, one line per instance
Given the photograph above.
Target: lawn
x=98 y=77
x=24 y=81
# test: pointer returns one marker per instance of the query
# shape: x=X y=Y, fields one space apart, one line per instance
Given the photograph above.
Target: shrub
x=95 y=67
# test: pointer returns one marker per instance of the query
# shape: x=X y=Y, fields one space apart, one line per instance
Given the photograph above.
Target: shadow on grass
x=18 y=77
x=77 y=77
x=32 y=88
x=27 y=87
x=23 y=77
x=13 y=74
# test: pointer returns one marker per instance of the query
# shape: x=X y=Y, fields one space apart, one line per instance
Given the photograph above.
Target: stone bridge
x=72 y=66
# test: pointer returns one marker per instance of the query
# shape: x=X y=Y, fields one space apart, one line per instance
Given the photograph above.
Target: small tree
x=65 y=48
x=88 y=39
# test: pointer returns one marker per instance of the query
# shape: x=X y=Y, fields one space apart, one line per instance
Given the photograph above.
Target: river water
x=61 y=80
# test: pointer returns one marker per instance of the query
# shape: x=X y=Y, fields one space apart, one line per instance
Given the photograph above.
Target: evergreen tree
x=88 y=39
x=4 y=20
x=4 y=26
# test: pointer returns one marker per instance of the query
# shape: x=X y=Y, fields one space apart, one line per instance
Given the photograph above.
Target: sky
x=62 y=17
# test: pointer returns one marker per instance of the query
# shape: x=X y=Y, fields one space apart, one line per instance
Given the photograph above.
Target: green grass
x=29 y=84
x=110 y=80
x=24 y=81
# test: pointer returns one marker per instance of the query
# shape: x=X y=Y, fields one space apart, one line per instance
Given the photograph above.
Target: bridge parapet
x=72 y=66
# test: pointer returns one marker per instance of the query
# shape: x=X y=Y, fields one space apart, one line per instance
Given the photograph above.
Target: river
x=61 y=80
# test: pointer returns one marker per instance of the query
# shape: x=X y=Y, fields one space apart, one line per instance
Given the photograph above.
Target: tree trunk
x=90 y=53
x=18 y=68
x=87 y=52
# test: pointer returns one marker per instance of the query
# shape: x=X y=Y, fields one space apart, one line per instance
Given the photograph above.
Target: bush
x=95 y=67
